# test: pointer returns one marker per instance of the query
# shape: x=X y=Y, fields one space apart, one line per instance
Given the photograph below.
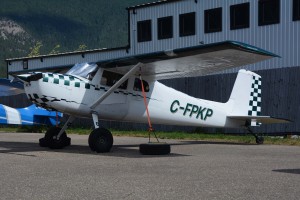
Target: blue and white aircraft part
x=31 y=115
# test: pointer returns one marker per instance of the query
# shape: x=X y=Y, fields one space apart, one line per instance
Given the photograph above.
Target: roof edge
x=68 y=53
x=150 y=4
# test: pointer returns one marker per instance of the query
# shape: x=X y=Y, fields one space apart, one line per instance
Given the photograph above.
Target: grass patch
x=213 y=137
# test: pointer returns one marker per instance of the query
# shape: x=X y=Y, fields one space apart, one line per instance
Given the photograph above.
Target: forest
x=34 y=27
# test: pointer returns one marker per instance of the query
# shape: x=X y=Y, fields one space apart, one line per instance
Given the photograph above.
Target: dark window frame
x=144 y=30
x=185 y=28
x=236 y=11
x=268 y=9
x=296 y=10
x=25 y=64
x=208 y=15
x=165 y=27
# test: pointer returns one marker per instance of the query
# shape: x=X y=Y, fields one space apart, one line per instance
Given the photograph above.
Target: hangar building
x=273 y=25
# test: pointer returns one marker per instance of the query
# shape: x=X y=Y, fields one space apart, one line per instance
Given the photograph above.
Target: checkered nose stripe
x=72 y=81
x=255 y=97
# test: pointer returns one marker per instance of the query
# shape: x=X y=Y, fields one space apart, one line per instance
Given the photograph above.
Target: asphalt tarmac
x=193 y=170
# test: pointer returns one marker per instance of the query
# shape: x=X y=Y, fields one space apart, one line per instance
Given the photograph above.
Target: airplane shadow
x=289 y=171
x=128 y=151
x=212 y=142
x=28 y=149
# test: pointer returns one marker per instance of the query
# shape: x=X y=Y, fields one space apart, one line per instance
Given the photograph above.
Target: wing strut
x=116 y=85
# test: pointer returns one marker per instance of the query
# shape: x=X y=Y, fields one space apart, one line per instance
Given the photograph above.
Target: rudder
x=245 y=97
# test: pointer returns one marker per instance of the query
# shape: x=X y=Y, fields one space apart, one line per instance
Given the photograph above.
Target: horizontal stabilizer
x=261 y=119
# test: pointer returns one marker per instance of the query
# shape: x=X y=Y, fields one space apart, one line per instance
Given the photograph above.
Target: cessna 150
x=127 y=89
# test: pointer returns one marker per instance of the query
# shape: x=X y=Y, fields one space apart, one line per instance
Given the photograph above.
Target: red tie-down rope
x=147 y=110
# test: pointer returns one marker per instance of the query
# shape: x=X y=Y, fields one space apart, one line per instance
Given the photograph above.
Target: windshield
x=83 y=70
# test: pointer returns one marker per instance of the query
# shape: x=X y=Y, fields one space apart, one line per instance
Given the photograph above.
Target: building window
x=268 y=12
x=25 y=64
x=165 y=27
x=144 y=31
x=239 y=16
x=296 y=10
x=213 y=20
x=187 y=24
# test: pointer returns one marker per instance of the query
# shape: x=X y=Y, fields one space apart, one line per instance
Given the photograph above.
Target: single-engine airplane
x=127 y=89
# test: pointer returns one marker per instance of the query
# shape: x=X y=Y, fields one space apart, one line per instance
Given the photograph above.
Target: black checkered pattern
x=72 y=81
x=255 y=97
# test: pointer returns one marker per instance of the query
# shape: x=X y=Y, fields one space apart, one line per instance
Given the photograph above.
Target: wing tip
x=253 y=48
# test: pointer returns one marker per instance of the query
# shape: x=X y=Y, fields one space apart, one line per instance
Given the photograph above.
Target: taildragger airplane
x=127 y=89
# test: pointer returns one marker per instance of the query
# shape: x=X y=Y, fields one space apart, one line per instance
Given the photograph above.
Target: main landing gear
x=56 y=137
x=258 y=139
x=100 y=139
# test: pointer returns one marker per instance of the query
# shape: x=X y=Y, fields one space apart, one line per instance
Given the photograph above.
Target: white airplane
x=127 y=89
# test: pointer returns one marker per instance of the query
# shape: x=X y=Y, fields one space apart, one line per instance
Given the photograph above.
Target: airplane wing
x=190 y=62
x=8 y=88
x=261 y=119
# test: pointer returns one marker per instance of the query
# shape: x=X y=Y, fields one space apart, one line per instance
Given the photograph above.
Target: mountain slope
x=94 y=23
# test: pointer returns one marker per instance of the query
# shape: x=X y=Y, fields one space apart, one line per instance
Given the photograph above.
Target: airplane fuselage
x=74 y=95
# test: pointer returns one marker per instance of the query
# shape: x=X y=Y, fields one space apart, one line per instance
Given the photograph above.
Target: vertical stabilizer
x=245 y=97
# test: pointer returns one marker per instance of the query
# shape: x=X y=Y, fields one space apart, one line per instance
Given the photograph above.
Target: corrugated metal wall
x=280 y=98
x=282 y=39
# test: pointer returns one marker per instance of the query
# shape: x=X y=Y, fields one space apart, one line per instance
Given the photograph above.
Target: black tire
x=155 y=149
x=51 y=141
x=101 y=140
x=43 y=143
x=260 y=140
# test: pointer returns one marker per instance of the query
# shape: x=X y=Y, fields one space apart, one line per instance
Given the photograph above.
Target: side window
x=213 y=20
x=138 y=86
x=110 y=78
x=268 y=12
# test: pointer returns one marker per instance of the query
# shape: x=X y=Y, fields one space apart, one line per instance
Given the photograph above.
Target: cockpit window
x=84 y=70
x=138 y=85
x=110 y=78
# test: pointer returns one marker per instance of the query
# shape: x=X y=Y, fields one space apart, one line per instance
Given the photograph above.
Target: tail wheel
x=155 y=149
x=260 y=140
x=50 y=139
x=101 y=140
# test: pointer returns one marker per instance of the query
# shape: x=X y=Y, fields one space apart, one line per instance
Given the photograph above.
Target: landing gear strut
x=56 y=137
x=100 y=139
x=258 y=139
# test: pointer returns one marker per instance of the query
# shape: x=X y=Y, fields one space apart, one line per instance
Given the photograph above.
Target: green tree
x=55 y=50
x=35 y=50
x=81 y=47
